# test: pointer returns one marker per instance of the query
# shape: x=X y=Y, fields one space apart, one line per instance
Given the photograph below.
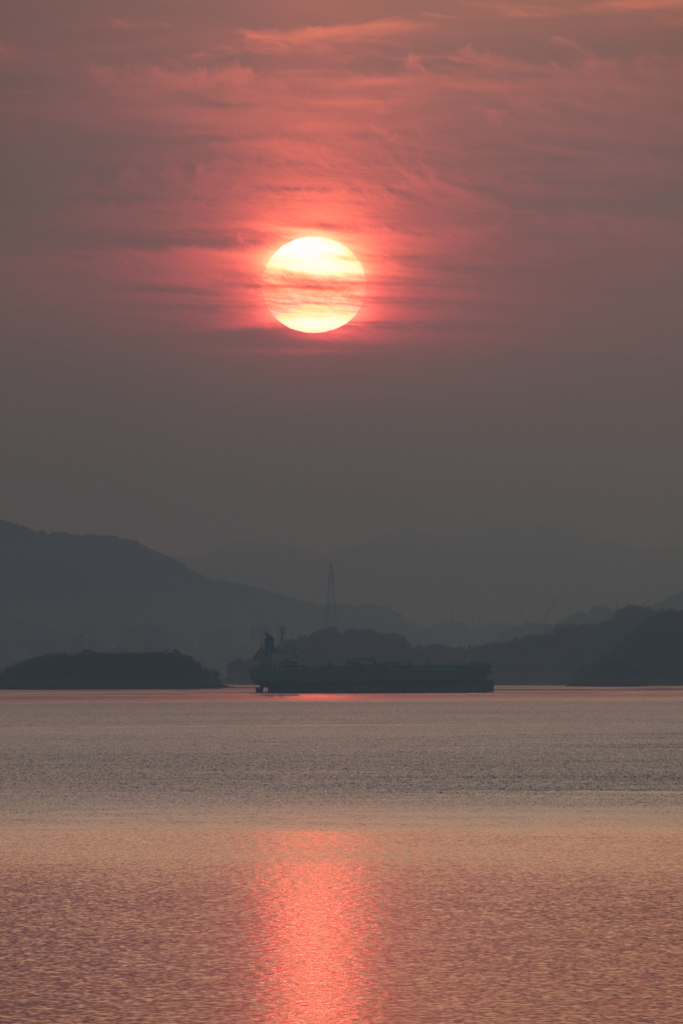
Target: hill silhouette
x=330 y=645
x=549 y=658
x=95 y=670
x=552 y=658
x=650 y=653
x=495 y=574
x=62 y=592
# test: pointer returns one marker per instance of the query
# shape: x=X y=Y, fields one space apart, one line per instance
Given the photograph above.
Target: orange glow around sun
x=313 y=285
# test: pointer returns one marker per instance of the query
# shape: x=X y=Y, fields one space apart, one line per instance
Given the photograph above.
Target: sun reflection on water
x=313 y=906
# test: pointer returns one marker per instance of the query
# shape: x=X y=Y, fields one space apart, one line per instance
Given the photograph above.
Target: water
x=183 y=858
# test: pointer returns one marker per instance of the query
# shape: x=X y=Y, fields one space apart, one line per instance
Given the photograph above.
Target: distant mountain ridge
x=64 y=592
x=553 y=658
x=492 y=575
x=636 y=645
x=650 y=653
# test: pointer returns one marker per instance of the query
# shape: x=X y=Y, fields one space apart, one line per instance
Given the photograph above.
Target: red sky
x=510 y=176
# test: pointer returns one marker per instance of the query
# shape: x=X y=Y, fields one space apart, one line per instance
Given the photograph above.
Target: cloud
x=322 y=38
x=135 y=25
x=648 y=6
x=547 y=12
x=507 y=178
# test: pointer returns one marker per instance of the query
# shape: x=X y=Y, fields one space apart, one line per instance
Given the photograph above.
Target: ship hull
x=333 y=680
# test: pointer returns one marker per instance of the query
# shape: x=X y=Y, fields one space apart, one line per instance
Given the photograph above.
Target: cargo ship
x=277 y=670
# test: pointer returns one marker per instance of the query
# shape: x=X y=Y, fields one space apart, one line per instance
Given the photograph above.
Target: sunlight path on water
x=512 y=858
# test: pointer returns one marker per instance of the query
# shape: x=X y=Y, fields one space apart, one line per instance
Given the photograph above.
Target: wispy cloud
x=581 y=9
x=461 y=174
x=648 y=6
x=324 y=37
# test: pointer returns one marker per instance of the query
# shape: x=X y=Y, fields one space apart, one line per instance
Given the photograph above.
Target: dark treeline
x=556 y=657
x=637 y=645
x=650 y=653
x=93 y=670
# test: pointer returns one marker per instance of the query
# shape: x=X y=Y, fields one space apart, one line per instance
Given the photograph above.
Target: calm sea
x=514 y=857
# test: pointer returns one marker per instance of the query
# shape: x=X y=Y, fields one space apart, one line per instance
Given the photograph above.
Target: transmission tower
x=331 y=605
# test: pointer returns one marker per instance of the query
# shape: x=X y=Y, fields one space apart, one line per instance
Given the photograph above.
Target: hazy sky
x=510 y=176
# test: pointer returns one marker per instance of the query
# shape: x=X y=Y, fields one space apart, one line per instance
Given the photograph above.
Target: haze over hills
x=62 y=592
x=673 y=603
x=493 y=575
x=650 y=653
x=635 y=645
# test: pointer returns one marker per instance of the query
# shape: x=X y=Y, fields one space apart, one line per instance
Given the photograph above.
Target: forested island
x=96 y=670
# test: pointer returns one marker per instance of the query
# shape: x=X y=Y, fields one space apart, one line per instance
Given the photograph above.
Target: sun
x=313 y=285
